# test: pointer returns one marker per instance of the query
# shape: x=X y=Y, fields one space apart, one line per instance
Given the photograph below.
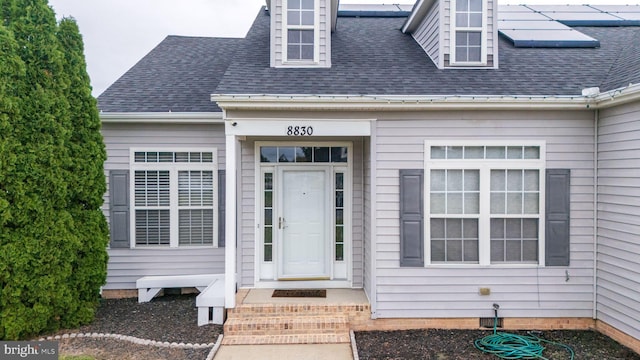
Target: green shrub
x=53 y=236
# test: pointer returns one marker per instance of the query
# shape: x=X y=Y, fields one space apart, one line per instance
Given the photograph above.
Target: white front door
x=303 y=224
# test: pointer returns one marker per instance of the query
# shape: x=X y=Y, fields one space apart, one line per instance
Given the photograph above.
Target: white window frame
x=316 y=35
x=173 y=168
x=483 y=37
x=484 y=166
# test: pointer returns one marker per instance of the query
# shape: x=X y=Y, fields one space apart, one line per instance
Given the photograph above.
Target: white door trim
x=270 y=281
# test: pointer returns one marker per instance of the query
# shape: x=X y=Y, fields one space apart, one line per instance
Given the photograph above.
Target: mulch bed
x=459 y=345
x=171 y=318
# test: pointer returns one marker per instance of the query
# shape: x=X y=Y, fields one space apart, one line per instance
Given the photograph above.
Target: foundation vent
x=488 y=322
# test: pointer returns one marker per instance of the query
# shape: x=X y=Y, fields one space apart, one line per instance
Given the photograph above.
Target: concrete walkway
x=283 y=352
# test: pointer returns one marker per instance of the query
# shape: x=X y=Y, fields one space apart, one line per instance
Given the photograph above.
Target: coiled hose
x=512 y=346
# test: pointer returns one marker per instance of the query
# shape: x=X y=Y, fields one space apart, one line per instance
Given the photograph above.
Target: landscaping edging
x=131 y=339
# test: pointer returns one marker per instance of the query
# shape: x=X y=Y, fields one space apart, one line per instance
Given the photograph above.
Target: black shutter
x=222 y=218
x=557 y=217
x=411 y=217
x=119 y=208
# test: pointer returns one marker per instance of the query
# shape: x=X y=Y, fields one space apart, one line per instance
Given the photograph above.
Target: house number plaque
x=299 y=130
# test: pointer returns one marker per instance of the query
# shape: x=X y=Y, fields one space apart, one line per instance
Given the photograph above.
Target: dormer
x=301 y=32
x=456 y=33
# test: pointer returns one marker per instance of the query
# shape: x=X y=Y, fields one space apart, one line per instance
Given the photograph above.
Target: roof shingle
x=178 y=75
x=370 y=56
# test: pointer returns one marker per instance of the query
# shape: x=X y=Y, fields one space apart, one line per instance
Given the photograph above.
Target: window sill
x=478 y=266
x=301 y=64
x=167 y=248
x=468 y=65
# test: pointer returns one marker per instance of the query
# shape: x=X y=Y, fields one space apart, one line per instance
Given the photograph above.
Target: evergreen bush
x=53 y=235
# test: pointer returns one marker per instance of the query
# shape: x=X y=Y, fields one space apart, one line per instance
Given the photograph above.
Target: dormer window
x=301 y=31
x=468 y=40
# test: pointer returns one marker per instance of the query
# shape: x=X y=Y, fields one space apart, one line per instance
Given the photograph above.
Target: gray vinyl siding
x=357 y=211
x=246 y=216
x=428 y=33
x=443 y=291
x=127 y=265
x=278 y=28
x=618 y=300
x=247 y=221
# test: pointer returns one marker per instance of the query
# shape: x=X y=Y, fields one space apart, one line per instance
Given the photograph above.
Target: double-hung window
x=301 y=30
x=484 y=204
x=174 y=198
x=468 y=32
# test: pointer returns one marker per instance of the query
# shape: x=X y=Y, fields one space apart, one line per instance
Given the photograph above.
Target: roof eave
x=619 y=96
x=162 y=117
x=398 y=103
x=417 y=15
x=334 y=14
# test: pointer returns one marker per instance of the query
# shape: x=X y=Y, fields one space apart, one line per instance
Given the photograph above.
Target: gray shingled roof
x=178 y=75
x=370 y=56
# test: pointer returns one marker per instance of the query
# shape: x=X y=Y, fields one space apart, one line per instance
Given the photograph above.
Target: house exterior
x=442 y=157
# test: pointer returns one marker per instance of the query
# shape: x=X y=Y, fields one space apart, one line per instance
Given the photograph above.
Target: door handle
x=280 y=223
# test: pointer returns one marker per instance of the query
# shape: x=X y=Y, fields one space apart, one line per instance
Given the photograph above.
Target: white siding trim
x=373 y=225
x=258 y=127
x=232 y=146
x=442 y=33
x=169 y=118
x=495 y=37
x=401 y=103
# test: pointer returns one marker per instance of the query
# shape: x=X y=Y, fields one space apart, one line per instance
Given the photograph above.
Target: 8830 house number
x=299 y=130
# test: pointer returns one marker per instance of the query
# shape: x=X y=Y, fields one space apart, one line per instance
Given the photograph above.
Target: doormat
x=300 y=293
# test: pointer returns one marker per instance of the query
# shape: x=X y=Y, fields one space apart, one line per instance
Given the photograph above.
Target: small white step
x=149 y=286
x=210 y=303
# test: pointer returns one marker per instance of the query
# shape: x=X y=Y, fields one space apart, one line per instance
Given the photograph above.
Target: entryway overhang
x=298 y=128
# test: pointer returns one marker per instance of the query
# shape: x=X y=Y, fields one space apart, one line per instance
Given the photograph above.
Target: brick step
x=268 y=310
x=287 y=325
x=286 y=339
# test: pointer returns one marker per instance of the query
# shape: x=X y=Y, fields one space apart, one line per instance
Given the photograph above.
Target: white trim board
x=162 y=117
x=255 y=127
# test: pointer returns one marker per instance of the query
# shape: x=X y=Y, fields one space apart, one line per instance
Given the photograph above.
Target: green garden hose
x=512 y=346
